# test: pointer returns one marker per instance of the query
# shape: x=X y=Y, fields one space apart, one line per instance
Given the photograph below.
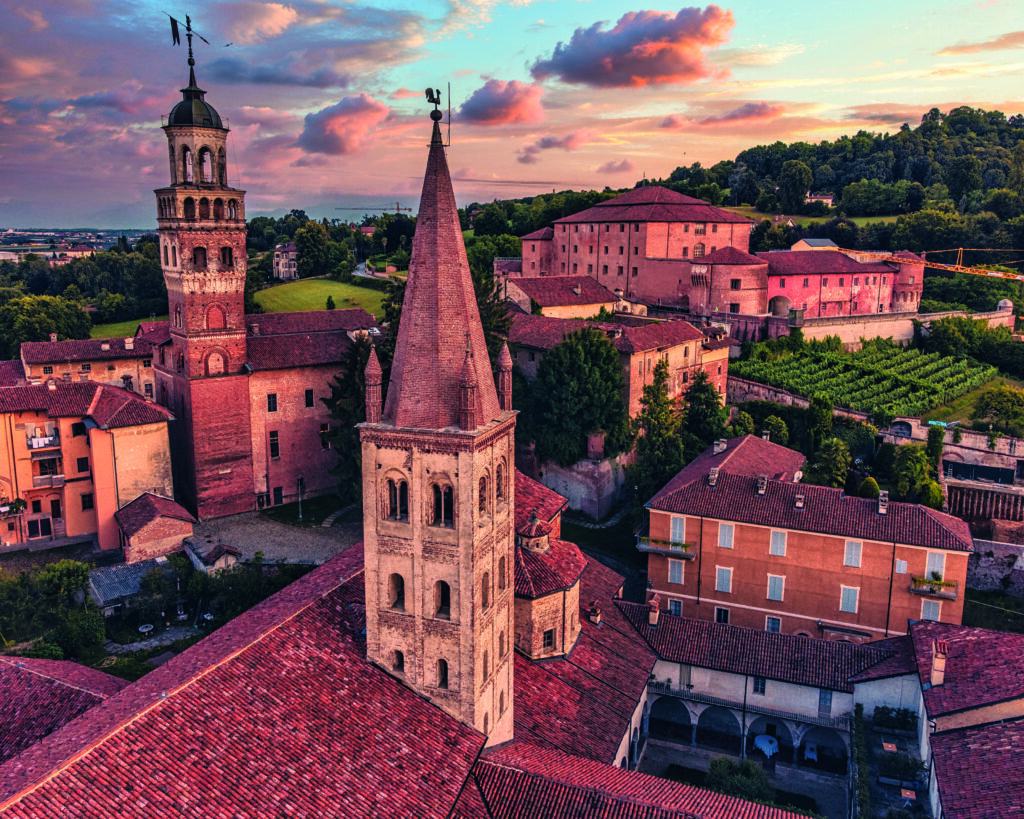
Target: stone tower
x=438 y=486
x=200 y=372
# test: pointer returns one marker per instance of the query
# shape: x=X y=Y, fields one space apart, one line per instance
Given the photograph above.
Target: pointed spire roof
x=373 y=365
x=504 y=358
x=439 y=316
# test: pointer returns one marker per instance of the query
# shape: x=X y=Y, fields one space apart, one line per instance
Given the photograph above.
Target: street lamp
x=301 y=484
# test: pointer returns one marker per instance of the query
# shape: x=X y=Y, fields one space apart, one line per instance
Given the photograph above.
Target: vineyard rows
x=907 y=382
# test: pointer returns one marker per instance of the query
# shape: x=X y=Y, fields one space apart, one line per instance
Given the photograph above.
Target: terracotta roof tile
x=40 y=696
x=901 y=660
x=982 y=666
x=746 y=455
x=84 y=349
x=531 y=497
x=783 y=657
x=277 y=713
x=310 y=321
x=280 y=352
x=817 y=262
x=553 y=291
x=110 y=407
x=978 y=771
x=154 y=332
x=11 y=372
x=654 y=204
x=728 y=255
x=539 y=235
x=524 y=781
x=146 y=508
x=540 y=573
x=545 y=332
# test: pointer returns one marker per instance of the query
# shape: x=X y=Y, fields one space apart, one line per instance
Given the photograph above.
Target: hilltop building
x=286 y=262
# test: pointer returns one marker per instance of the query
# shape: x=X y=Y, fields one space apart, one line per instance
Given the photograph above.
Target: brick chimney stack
x=505 y=378
x=373 y=381
x=653 y=609
x=940 y=653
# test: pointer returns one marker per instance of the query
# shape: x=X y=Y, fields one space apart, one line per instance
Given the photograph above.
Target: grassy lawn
x=314 y=510
x=121 y=329
x=994 y=610
x=960 y=410
x=311 y=294
x=755 y=214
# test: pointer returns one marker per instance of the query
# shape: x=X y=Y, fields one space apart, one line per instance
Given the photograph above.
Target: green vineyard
x=881 y=375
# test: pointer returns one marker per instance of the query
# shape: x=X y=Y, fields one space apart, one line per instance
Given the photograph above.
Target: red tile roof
x=654 y=204
x=982 y=666
x=826 y=510
x=727 y=255
x=146 y=508
x=539 y=235
x=40 y=696
x=555 y=291
x=11 y=372
x=978 y=771
x=531 y=497
x=525 y=781
x=583 y=703
x=545 y=332
x=901 y=660
x=155 y=332
x=507 y=266
x=784 y=657
x=277 y=713
x=296 y=350
x=84 y=349
x=540 y=573
x=746 y=455
x=440 y=319
x=815 y=262
x=310 y=321
x=110 y=407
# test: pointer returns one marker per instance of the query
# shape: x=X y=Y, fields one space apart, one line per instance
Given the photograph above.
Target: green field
x=311 y=294
x=757 y=216
x=120 y=329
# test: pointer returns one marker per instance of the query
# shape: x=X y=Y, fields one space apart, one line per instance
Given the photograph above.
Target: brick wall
x=161 y=537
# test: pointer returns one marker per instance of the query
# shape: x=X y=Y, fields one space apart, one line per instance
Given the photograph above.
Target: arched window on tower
x=501 y=575
x=443 y=511
x=698 y=250
x=190 y=208
x=204 y=208
x=485 y=590
x=222 y=168
x=205 y=165
x=403 y=501
x=166 y=256
x=227 y=257
x=215 y=363
x=499 y=483
x=174 y=255
x=487 y=665
x=199 y=258
x=187 y=170
x=396 y=592
x=442 y=600
x=442 y=673
x=177 y=316
x=398 y=662
x=232 y=209
x=482 y=496
x=215 y=317
x=218 y=208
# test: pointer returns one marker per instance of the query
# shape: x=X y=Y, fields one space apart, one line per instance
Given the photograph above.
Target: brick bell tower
x=438 y=486
x=200 y=373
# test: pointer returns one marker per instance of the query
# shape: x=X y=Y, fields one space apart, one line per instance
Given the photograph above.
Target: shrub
x=743 y=779
x=868 y=488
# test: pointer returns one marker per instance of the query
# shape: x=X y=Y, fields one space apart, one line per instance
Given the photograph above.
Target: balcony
x=930 y=587
x=43 y=481
x=672 y=548
x=840 y=723
x=47 y=441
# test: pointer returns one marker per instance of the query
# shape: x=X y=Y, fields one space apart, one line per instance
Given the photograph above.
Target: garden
x=881 y=375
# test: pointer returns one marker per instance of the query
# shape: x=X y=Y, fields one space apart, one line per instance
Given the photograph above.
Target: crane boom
x=956 y=268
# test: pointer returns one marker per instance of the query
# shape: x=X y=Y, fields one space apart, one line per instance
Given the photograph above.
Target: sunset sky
x=326 y=107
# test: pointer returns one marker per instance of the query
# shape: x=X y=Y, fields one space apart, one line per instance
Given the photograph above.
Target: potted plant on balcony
x=932 y=584
x=12 y=507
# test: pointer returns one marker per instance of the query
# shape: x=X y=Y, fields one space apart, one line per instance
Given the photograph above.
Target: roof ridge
x=95 y=399
x=16 y=662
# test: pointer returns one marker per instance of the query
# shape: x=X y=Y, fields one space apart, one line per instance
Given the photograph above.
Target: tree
x=1004 y=404
x=492 y=221
x=778 y=432
x=963 y=175
x=347 y=405
x=794 y=182
x=911 y=469
x=659 y=450
x=931 y=495
x=743 y=424
x=936 y=438
x=312 y=250
x=742 y=779
x=702 y=420
x=868 y=488
x=819 y=419
x=834 y=458
x=330 y=302
x=578 y=391
x=33 y=318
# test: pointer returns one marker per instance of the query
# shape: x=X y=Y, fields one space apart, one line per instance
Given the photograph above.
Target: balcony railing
x=840 y=723
x=43 y=441
x=683 y=551
x=943 y=589
x=40 y=481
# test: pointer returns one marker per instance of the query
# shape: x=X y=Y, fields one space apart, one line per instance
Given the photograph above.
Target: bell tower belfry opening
x=200 y=372
x=438 y=494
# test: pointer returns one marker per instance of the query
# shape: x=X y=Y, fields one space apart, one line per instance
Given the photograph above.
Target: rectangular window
x=675 y=607
x=47 y=370
x=901 y=567
x=590 y=268
x=309 y=399
x=700 y=229
x=824 y=282
x=148 y=389
x=853 y=548
x=604 y=269
x=87 y=368
x=675 y=571
x=275 y=445
x=723 y=580
x=278 y=495
x=841 y=281
x=87 y=502
x=722 y=616
x=575 y=248
x=734 y=284
x=621 y=250
x=807 y=282
x=776 y=585
x=549 y=638
x=824 y=701
x=271 y=402
x=635 y=271
x=574 y=267
x=725 y=533
x=678 y=529
x=147 y=362
x=884 y=279
x=760 y=684
x=936 y=565
x=782 y=282
x=49 y=466
x=622 y=228
x=778 y=546
x=856 y=281
x=773 y=624
x=324 y=442
x=620 y=270
x=37 y=507
x=848 y=599
x=83 y=465
x=931 y=610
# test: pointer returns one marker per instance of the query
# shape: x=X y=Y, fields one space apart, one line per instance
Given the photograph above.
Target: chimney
x=51 y=384
x=255 y=329
x=940 y=651
x=719 y=446
x=766 y=436
x=53 y=336
x=883 y=502
x=594 y=614
x=576 y=290
x=799 y=502
x=762 y=484
x=713 y=476
x=105 y=346
x=129 y=343
x=653 y=610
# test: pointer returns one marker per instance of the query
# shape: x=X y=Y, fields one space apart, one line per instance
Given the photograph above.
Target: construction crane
x=397 y=208
x=959 y=267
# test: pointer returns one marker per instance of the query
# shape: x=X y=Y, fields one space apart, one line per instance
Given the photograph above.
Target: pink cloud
x=643 y=48
x=498 y=102
x=343 y=128
x=570 y=142
x=1012 y=39
x=248 y=22
x=404 y=93
x=746 y=112
x=611 y=166
x=886 y=113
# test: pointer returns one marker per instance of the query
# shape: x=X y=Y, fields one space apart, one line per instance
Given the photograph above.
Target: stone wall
x=592 y=487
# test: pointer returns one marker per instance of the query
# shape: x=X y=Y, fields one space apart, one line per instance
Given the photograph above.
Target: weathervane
x=434 y=98
x=176 y=35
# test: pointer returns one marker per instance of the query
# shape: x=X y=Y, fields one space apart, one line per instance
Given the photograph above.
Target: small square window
x=87 y=368
x=82 y=465
x=309 y=399
x=760 y=685
x=901 y=567
x=271 y=402
x=675 y=607
x=37 y=507
x=773 y=624
x=549 y=638
x=77 y=429
x=47 y=370
x=722 y=616
x=778 y=546
x=87 y=502
x=776 y=586
x=147 y=362
x=734 y=284
x=734 y=307
x=723 y=580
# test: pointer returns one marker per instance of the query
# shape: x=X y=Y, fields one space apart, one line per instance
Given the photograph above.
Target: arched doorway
x=823 y=749
x=670 y=721
x=779 y=306
x=718 y=727
x=773 y=727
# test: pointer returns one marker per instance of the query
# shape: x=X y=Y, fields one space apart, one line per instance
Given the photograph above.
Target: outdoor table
x=889 y=746
x=811 y=751
x=766 y=744
x=909 y=797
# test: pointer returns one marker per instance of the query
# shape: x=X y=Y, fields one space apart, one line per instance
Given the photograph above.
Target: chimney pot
x=883 y=502
x=653 y=609
x=53 y=336
x=762 y=484
x=713 y=476
x=766 y=436
x=255 y=329
x=129 y=343
x=940 y=653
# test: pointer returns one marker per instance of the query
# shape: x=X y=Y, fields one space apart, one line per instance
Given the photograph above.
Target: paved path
x=332 y=518
x=253 y=532
x=165 y=639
